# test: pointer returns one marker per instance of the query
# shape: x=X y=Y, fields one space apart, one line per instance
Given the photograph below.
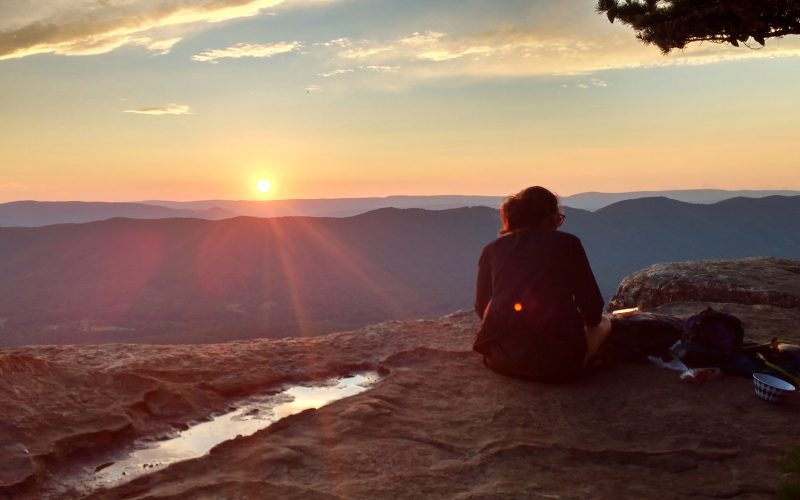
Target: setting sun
x=264 y=185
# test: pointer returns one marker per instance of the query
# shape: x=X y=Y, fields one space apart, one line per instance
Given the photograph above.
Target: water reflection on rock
x=246 y=419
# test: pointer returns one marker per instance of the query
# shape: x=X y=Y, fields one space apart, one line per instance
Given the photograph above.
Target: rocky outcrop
x=763 y=280
x=60 y=404
x=439 y=424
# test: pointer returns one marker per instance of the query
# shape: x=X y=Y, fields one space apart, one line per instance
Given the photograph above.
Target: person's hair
x=531 y=208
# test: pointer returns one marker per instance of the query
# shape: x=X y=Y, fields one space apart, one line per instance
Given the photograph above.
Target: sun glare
x=264 y=185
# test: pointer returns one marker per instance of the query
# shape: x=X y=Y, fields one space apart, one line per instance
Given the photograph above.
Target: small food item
x=624 y=313
x=700 y=375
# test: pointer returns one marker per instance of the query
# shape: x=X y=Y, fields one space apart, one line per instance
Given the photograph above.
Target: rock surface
x=442 y=426
x=60 y=403
x=439 y=424
x=760 y=280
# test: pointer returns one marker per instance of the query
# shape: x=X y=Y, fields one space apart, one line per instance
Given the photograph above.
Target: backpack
x=711 y=338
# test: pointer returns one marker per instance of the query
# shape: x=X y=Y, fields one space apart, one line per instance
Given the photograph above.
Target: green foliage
x=671 y=24
x=790 y=484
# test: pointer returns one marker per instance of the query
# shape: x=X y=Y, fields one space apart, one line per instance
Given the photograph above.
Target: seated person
x=541 y=310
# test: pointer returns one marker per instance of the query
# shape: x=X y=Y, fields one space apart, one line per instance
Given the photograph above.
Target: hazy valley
x=189 y=280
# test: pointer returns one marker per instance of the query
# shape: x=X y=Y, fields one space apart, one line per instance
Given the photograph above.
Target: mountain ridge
x=14 y=213
x=31 y=213
x=192 y=280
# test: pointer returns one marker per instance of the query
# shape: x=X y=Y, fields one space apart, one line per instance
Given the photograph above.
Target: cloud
x=439 y=47
x=535 y=38
x=538 y=38
x=345 y=71
x=591 y=82
x=247 y=50
x=162 y=47
x=381 y=69
x=481 y=53
x=169 y=109
x=83 y=27
x=312 y=88
x=336 y=72
x=101 y=46
x=531 y=51
x=359 y=69
x=446 y=55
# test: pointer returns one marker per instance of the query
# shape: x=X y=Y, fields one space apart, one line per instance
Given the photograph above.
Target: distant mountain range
x=43 y=213
x=37 y=213
x=334 y=207
x=190 y=280
x=595 y=201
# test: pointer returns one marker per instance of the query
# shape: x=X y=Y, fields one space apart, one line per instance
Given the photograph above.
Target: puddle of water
x=252 y=416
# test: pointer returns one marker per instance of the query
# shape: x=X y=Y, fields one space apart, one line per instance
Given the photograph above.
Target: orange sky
x=344 y=99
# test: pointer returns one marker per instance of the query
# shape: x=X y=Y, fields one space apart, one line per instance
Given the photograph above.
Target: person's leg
x=596 y=337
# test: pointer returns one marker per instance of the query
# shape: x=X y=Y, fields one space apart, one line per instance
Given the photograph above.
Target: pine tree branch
x=671 y=24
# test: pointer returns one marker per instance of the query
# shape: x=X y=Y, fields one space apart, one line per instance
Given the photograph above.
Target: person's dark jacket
x=535 y=293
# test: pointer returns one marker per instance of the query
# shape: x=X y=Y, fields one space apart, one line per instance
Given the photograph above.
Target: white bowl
x=771 y=388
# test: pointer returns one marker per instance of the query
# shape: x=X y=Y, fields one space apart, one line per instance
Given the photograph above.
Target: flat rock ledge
x=760 y=280
x=439 y=424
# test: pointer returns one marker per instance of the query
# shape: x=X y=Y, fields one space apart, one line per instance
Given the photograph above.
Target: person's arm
x=483 y=289
x=587 y=294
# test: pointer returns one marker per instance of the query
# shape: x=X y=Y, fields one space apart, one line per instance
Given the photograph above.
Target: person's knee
x=605 y=323
x=600 y=328
x=597 y=335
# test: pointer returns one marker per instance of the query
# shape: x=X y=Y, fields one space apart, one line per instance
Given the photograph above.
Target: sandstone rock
x=439 y=425
x=446 y=427
x=58 y=401
x=762 y=280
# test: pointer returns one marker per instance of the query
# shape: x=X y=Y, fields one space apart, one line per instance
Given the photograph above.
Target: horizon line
x=358 y=198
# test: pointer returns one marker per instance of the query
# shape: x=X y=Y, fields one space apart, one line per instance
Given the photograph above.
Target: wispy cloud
x=529 y=51
x=381 y=69
x=336 y=72
x=169 y=109
x=247 y=50
x=541 y=38
x=589 y=83
x=440 y=47
x=162 y=47
x=346 y=71
x=81 y=27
